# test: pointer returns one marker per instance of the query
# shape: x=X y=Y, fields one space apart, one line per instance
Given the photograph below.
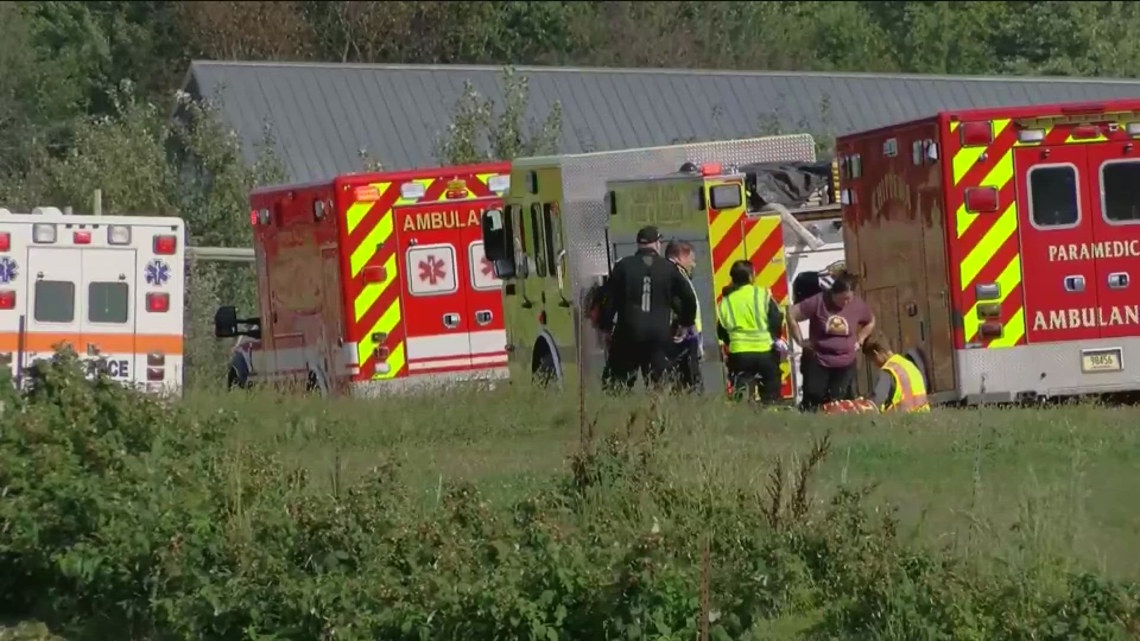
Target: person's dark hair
x=741 y=275
x=841 y=284
x=877 y=343
x=678 y=248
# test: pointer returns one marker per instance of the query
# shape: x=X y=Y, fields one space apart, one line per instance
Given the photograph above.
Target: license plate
x=1102 y=360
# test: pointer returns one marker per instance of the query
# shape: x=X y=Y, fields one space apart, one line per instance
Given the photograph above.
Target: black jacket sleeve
x=775 y=318
x=684 y=299
x=722 y=333
x=614 y=297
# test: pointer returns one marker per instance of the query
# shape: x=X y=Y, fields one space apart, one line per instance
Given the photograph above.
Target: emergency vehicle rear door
x=54 y=306
x=484 y=303
x=1055 y=218
x=107 y=324
x=1114 y=181
x=437 y=322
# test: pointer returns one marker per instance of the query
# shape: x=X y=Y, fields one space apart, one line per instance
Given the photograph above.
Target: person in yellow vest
x=746 y=316
x=688 y=350
x=900 y=386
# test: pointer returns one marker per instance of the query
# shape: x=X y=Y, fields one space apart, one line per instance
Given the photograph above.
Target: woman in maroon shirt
x=838 y=323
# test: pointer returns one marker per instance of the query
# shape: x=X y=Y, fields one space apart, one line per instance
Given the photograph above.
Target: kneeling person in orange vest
x=900 y=386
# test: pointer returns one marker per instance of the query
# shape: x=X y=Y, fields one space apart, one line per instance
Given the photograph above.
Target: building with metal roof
x=323 y=115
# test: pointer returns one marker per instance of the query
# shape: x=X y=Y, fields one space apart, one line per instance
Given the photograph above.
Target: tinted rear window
x=55 y=301
x=108 y=302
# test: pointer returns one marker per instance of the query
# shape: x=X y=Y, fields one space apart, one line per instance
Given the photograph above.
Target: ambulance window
x=55 y=301
x=724 y=196
x=1053 y=196
x=1120 y=184
x=539 y=241
x=108 y=302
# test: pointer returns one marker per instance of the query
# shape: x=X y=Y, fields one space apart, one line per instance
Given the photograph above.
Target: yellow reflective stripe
x=989 y=245
x=1008 y=281
x=371 y=243
x=999 y=177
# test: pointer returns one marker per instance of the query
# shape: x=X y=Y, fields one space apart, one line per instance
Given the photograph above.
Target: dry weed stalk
x=779 y=511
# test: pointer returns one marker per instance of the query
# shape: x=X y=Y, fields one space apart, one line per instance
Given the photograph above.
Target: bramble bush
x=125 y=516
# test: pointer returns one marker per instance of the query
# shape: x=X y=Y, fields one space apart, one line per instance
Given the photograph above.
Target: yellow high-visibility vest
x=744 y=315
x=697 y=298
x=910 y=388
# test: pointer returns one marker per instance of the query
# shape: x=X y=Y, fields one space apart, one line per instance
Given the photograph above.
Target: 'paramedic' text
x=440 y=220
x=1086 y=317
x=1087 y=251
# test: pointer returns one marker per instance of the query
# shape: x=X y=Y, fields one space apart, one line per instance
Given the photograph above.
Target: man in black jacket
x=643 y=293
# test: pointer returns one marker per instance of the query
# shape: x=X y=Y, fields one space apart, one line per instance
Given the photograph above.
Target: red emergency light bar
x=5 y=241
x=710 y=169
x=81 y=238
x=7 y=299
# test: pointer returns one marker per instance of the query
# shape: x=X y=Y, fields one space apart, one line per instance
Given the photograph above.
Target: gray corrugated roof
x=324 y=114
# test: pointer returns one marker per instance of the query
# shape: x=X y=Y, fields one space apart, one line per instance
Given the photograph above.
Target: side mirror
x=226 y=322
x=494 y=235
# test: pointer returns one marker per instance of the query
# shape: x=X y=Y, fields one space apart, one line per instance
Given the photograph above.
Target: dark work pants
x=685 y=367
x=747 y=370
x=628 y=357
x=822 y=385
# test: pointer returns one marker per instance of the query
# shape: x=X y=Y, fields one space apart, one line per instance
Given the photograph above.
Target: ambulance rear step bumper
x=1044 y=370
x=430 y=382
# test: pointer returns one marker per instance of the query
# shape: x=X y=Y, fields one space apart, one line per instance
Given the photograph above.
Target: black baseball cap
x=647 y=235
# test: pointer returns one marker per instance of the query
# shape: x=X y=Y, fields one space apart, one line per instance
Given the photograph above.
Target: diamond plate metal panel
x=1050 y=369
x=585 y=218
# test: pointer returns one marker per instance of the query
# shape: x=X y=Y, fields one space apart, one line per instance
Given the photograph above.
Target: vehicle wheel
x=545 y=371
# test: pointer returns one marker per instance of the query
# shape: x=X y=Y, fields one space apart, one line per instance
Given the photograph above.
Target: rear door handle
x=484 y=317
x=451 y=320
x=1075 y=283
x=1118 y=280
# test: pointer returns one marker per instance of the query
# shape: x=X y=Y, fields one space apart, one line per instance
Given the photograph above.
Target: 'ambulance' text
x=440 y=220
x=1086 y=317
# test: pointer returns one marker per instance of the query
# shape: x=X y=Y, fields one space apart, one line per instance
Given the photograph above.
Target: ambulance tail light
x=155 y=367
x=499 y=184
x=412 y=191
x=81 y=238
x=976 y=134
x=990 y=330
x=1030 y=135
x=380 y=354
x=43 y=233
x=711 y=169
x=5 y=242
x=118 y=235
x=158 y=302
x=165 y=245
x=7 y=299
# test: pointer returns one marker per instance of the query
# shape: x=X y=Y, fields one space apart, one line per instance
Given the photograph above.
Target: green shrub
x=125 y=516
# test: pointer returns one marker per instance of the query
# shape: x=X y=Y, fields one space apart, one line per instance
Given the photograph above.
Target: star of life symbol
x=483 y=271
x=157 y=272
x=9 y=270
x=431 y=270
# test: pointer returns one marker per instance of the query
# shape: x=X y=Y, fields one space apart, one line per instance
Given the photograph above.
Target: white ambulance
x=111 y=287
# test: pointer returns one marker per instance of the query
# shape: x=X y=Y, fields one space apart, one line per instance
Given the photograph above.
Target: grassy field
x=465 y=514
x=990 y=482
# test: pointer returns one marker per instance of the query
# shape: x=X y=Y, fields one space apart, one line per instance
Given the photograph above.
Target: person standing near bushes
x=839 y=322
x=746 y=316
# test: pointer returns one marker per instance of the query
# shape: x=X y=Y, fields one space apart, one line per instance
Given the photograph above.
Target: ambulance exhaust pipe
x=796 y=226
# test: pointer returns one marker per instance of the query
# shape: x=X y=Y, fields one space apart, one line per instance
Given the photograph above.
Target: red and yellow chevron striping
x=986 y=245
x=370 y=226
x=733 y=236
